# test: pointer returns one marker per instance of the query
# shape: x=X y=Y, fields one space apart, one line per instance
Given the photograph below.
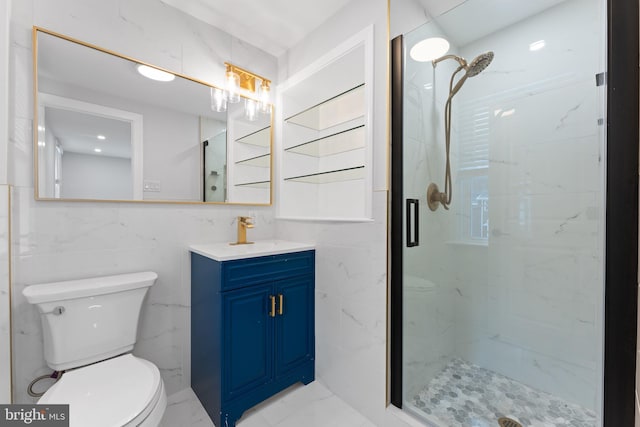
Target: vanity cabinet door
x=247 y=340
x=294 y=324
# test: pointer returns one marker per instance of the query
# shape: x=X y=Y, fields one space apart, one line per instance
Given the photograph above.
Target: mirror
x=106 y=132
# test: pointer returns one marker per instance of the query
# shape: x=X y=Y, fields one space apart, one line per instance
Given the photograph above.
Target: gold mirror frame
x=35 y=32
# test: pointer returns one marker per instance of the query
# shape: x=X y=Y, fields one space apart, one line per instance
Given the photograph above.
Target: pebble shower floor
x=466 y=395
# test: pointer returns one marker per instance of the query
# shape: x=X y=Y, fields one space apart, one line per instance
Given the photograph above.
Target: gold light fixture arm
x=247 y=78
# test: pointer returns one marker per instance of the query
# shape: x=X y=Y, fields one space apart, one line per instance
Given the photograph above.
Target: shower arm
x=460 y=60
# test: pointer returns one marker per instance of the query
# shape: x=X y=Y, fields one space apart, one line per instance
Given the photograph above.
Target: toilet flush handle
x=57 y=311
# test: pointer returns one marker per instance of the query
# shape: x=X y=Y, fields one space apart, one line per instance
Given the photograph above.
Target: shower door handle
x=412 y=221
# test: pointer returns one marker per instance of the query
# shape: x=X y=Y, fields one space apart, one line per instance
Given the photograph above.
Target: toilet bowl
x=122 y=391
x=89 y=329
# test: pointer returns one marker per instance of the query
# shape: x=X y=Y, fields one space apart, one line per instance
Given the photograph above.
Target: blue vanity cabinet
x=247 y=340
x=252 y=330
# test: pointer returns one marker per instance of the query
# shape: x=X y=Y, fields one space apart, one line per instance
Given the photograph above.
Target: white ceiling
x=78 y=133
x=277 y=25
x=273 y=26
x=471 y=20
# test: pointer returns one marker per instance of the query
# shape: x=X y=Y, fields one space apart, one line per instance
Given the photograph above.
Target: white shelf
x=261 y=138
x=263 y=161
x=342 y=108
x=258 y=184
x=350 y=139
x=339 y=175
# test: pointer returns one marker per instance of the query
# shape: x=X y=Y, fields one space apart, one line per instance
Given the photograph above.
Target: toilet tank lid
x=80 y=288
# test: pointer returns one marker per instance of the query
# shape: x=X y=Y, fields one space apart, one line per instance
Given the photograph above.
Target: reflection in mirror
x=105 y=132
x=87 y=151
x=249 y=145
x=214 y=145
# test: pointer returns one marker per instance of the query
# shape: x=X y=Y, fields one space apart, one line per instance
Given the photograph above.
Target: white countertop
x=226 y=252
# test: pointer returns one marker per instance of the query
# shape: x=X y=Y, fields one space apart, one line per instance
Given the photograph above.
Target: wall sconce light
x=238 y=79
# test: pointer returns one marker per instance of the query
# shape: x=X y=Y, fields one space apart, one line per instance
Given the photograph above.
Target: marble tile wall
x=351 y=258
x=5 y=309
x=58 y=240
x=5 y=12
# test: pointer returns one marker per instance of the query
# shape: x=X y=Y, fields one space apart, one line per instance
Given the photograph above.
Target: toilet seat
x=123 y=391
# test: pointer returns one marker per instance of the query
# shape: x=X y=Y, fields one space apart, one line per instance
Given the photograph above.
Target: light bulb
x=250 y=109
x=233 y=87
x=218 y=100
x=265 y=91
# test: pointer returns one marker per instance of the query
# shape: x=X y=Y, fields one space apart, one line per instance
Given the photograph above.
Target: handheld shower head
x=435 y=197
x=472 y=69
x=479 y=63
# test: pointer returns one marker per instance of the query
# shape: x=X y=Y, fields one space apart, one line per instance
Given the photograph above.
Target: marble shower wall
x=529 y=303
x=537 y=316
x=544 y=307
x=58 y=240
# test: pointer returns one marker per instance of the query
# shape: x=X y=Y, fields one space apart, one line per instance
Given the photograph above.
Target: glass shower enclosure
x=503 y=288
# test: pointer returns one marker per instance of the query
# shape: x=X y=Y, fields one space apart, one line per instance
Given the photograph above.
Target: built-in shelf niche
x=325 y=168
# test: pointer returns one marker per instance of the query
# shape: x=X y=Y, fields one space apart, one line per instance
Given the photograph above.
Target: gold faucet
x=244 y=222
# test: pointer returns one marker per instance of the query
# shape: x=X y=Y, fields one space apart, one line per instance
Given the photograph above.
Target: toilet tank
x=88 y=320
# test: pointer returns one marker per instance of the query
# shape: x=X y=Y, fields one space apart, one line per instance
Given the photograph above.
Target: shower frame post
x=621 y=245
x=397 y=203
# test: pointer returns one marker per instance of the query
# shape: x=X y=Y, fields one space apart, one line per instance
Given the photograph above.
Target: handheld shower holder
x=436 y=198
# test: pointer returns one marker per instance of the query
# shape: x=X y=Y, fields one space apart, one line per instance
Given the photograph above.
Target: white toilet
x=89 y=329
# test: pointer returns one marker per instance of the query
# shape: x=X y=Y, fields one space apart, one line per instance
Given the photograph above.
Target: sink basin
x=226 y=252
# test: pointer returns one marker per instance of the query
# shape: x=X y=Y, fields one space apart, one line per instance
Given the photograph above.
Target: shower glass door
x=503 y=291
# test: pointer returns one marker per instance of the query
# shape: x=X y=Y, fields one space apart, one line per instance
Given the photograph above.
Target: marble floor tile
x=464 y=395
x=310 y=406
x=184 y=409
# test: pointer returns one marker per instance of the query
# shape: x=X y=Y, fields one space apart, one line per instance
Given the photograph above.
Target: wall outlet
x=151 y=186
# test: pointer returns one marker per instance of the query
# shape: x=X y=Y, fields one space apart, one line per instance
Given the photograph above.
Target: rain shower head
x=480 y=62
